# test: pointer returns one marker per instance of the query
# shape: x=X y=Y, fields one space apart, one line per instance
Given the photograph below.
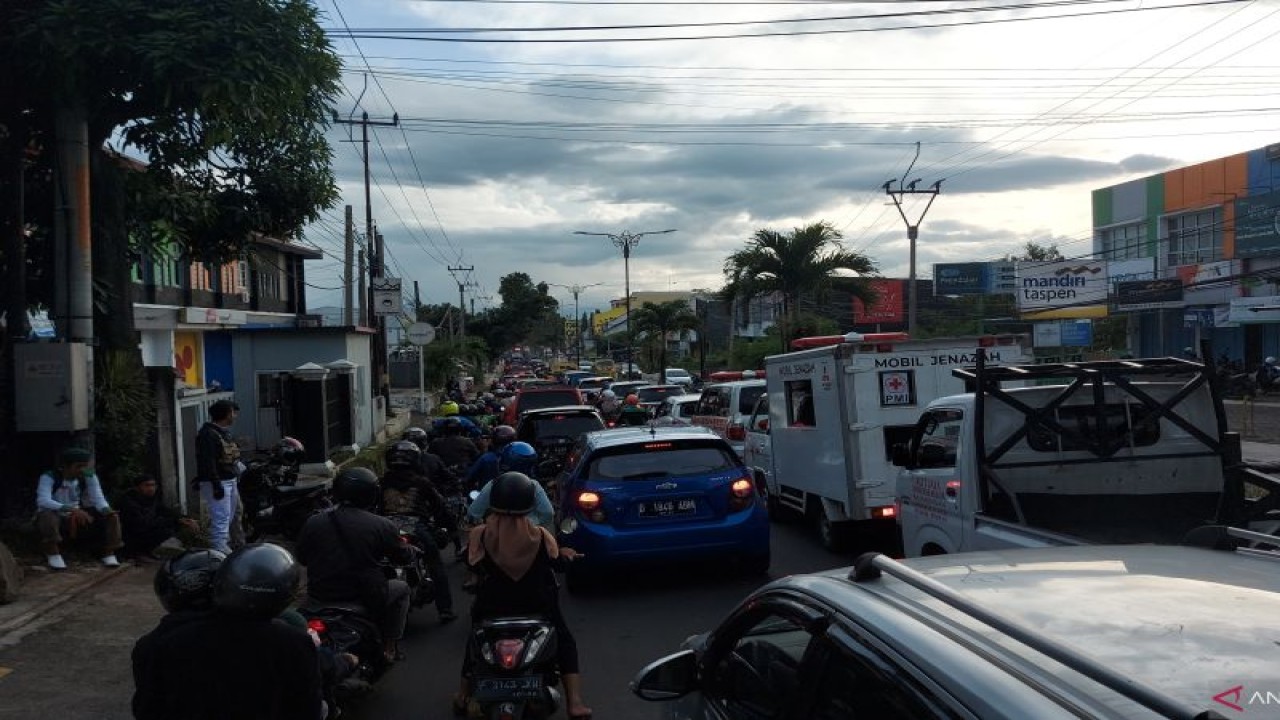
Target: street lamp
x=626 y=241
x=576 y=289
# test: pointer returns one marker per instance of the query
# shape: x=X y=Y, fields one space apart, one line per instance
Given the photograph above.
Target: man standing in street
x=217 y=467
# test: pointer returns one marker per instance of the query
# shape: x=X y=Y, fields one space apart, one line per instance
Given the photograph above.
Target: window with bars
x=1123 y=242
x=1194 y=237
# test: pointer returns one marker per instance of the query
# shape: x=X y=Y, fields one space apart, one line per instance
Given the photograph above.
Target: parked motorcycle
x=275 y=501
x=512 y=663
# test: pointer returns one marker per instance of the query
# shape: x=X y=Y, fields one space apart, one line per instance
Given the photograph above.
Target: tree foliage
x=809 y=260
x=226 y=100
x=660 y=319
x=1035 y=252
x=527 y=315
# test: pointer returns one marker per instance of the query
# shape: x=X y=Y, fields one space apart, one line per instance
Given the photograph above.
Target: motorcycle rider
x=342 y=550
x=1267 y=374
x=236 y=660
x=608 y=403
x=485 y=468
x=456 y=451
x=518 y=457
x=405 y=491
x=632 y=412
x=515 y=561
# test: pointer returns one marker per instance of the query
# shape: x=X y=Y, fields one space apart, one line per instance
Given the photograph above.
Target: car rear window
x=661 y=458
x=569 y=425
x=656 y=394
x=747 y=397
x=534 y=401
x=591 y=384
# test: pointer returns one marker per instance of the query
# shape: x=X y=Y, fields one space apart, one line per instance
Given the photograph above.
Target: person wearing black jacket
x=236 y=660
x=405 y=491
x=217 y=467
x=452 y=448
x=342 y=550
x=145 y=520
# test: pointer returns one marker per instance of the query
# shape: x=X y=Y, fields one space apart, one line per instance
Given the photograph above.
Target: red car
x=540 y=396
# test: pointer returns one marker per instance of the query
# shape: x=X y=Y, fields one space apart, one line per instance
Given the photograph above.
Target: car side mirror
x=901 y=455
x=668 y=678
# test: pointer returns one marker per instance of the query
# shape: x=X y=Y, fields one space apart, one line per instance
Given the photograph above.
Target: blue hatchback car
x=659 y=494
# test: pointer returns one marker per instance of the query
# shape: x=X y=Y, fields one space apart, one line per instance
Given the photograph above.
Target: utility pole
x=379 y=360
x=577 y=317
x=913 y=229
x=348 y=265
x=363 y=294
x=462 y=303
x=626 y=241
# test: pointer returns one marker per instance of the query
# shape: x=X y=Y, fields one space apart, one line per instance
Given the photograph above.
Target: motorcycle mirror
x=473 y=494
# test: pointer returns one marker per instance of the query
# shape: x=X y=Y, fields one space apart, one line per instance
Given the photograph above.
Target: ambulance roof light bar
x=853 y=337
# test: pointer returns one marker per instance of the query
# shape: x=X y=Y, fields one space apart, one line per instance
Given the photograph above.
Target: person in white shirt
x=70 y=505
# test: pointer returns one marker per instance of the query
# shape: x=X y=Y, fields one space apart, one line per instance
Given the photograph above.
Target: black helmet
x=257 y=580
x=185 y=582
x=451 y=426
x=405 y=453
x=357 y=487
x=503 y=434
x=513 y=493
x=417 y=436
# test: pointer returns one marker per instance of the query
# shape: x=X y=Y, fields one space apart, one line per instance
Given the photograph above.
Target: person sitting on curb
x=70 y=505
x=146 y=521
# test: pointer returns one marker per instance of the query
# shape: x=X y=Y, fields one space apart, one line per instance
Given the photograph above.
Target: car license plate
x=527 y=687
x=663 y=508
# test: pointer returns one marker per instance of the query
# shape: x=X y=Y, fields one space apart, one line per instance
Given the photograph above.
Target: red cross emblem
x=895 y=383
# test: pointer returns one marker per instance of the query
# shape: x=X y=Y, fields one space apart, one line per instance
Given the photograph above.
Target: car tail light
x=883 y=513
x=317 y=625
x=741 y=494
x=591 y=505
x=508 y=653
x=736 y=432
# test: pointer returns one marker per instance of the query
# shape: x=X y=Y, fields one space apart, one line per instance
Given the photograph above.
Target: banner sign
x=1258 y=225
x=1077 y=333
x=1198 y=317
x=1212 y=283
x=1149 y=294
x=387 y=300
x=971 y=278
x=888 y=307
x=1062 y=284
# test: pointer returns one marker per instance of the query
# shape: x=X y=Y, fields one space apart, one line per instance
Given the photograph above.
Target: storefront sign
x=1198 y=317
x=1077 y=333
x=214 y=316
x=1059 y=285
x=1149 y=294
x=1258 y=225
x=1255 y=310
x=1212 y=283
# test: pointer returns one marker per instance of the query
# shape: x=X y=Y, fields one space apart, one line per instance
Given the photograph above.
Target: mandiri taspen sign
x=1061 y=284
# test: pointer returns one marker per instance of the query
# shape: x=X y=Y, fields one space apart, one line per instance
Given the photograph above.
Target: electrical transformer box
x=52 y=386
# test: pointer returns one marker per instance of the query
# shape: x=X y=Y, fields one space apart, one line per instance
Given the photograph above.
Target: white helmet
x=1270 y=361
x=609 y=394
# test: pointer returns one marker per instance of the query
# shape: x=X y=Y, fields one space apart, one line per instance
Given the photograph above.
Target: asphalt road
x=620 y=627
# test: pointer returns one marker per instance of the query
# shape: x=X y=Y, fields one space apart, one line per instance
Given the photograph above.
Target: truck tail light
x=741 y=494
x=592 y=506
x=737 y=432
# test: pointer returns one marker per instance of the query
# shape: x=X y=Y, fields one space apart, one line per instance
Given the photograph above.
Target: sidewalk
x=42 y=591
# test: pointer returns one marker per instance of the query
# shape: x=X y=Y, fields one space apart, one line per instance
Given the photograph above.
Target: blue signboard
x=1077 y=333
x=971 y=278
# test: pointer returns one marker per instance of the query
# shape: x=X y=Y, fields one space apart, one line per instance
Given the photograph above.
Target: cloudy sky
x=506 y=148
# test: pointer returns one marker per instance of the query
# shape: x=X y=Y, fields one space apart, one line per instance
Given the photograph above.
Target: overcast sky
x=507 y=148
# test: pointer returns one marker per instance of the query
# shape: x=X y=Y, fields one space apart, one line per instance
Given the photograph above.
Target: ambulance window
x=713 y=403
x=800 y=403
x=938 y=439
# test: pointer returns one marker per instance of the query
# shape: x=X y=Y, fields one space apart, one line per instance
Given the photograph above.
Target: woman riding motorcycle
x=515 y=561
x=518 y=457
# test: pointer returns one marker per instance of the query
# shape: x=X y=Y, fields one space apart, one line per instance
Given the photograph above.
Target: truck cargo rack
x=1225 y=537
x=870 y=566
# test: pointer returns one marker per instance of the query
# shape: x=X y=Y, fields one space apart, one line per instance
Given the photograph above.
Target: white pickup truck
x=1118 y=451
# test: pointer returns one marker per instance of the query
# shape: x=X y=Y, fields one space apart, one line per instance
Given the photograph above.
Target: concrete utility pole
x=913 y=229
x=363 y=294
x=577 y=317
x=348 y=265
x=462 y=303
x=626 y=241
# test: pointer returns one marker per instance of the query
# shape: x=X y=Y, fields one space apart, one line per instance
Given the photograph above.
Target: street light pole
x=626 y=241
x=577 y=323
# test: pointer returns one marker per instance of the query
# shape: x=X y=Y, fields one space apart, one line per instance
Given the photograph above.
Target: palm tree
x=803 y=262
x=659 y=319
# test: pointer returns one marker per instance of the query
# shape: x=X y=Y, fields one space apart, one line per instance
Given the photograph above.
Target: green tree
x=528 y=314
x=660 y=319
x=806 y=261
x=1035 y=252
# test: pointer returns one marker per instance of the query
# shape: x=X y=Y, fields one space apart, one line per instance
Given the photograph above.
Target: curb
x=26 y=618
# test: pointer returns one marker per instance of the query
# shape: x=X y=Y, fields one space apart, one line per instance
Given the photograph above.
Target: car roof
x=559 y=409
x=631 y=435
x=1189 y=621
x=687 y=397
x=736 y=383
x=545 y=388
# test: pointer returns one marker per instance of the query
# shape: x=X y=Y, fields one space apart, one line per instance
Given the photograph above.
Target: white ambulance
x=836 y=407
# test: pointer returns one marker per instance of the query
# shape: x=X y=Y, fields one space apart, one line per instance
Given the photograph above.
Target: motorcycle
x=275 y=501
x=512 y=663
x=414 y=571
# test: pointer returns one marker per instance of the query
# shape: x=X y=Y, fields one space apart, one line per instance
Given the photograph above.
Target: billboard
x=1258 y=225
x=971 y=278
x=1061 y=285
x=888 y=307
x=1149 y=294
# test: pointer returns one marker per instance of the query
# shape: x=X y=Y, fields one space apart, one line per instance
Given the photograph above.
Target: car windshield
x=564 y=425
x=677 y=373
x=656 y=394
x=591 y=384
x=645 y=461
x=747 y=398
x=533 y=401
